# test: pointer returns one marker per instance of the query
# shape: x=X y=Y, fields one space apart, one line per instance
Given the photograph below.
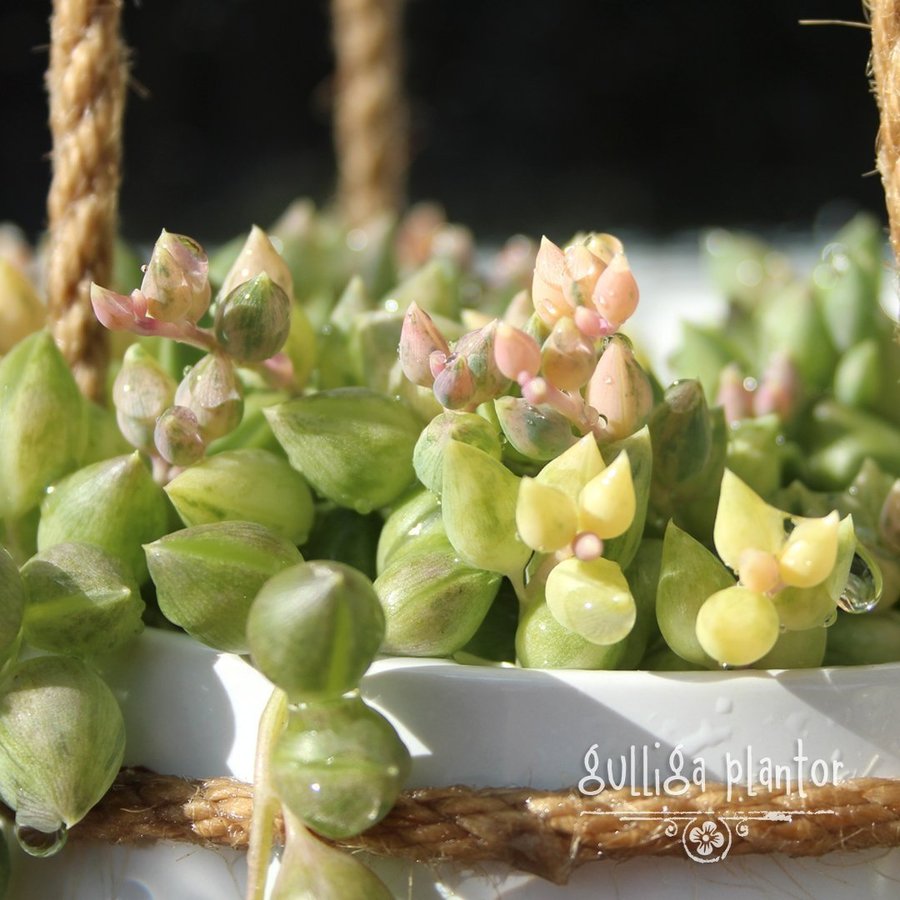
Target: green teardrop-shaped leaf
x=640 y=456
x=688 y=576
x=417 y=517
x=207 y=577
x=339 y=765
x=756 y=453
x=451 y=425
x=543 y=643
x=478 y=506
x=62 y=740
x=847 y=282
x=114 y=504
x=858 y=378
x=689 y=446
x=537 y=432
x=353 y=445
x=314 y=629
x=353 y=300
x=43 y=423
x=246 y=485
x=311 y=868
x=433 y=603
x=81 y=601
x=681 y=433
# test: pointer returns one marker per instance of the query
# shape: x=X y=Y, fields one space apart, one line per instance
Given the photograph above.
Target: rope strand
x=370 y=118
x=86 y=83
x=548 y=833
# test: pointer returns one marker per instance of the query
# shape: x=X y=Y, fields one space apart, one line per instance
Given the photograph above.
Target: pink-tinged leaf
x=616 y=294
x=516 y=352
x=176 y=280
x=591 y=324
x=177 y=436
x=568 y=357
x=550 y=264
x=113 y=311
x=419 y=339
x=549 y=301
x=620 y=391
x=455 y=386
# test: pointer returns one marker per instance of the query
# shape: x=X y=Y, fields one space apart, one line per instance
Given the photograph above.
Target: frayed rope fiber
x=548 y=833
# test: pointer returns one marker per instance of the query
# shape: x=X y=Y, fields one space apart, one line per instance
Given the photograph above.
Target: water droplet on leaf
x=863 y=589
x=41 y=843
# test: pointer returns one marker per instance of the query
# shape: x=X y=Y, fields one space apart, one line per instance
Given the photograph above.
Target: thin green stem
x=265 y=803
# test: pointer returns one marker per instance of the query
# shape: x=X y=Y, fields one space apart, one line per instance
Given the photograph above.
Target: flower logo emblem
x=706 y=840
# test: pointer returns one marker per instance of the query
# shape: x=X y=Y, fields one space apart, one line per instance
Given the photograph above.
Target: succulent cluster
x=324 y=445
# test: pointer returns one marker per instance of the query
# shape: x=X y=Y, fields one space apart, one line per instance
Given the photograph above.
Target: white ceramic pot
x=193 y=712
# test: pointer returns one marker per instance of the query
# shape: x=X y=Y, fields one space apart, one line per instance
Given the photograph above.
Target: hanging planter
x=493 y=501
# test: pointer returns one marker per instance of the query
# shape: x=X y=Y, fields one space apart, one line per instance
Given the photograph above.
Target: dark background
x=527 y=116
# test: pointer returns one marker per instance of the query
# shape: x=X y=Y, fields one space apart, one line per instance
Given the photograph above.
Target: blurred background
x=653 y=117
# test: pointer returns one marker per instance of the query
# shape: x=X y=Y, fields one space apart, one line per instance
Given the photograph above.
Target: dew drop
x=863 y=589
x=41 y=843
